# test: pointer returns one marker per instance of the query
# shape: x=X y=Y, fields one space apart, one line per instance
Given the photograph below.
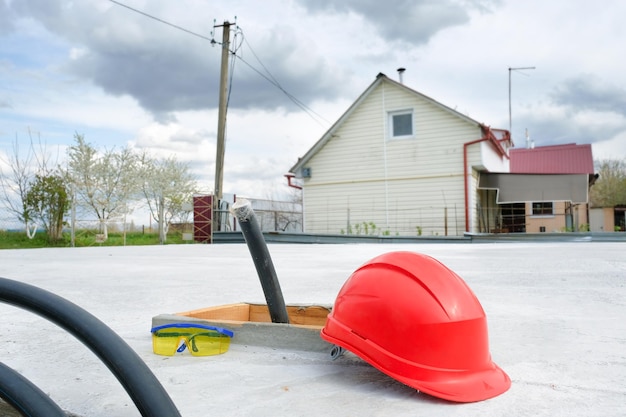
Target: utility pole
x=221 y=127
x=510 y=119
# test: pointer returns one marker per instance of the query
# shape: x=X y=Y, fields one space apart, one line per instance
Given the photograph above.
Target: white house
x=398 y=163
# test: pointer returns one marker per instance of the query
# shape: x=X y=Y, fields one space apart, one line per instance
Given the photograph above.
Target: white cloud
x=613 y=148
x=108 y=72
x=77 y=53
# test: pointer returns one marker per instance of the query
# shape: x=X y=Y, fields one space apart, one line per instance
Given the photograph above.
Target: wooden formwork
x=313 y=316
x=252 y=324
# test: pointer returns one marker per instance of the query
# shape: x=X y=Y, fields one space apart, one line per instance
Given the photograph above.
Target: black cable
x=26 y=397
x=139 y=382
x=262 y=260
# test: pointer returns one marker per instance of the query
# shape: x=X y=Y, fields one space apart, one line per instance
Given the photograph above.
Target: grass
x=85 y=238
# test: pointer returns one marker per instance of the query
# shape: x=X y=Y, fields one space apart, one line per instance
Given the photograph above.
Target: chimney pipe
x=400 y=72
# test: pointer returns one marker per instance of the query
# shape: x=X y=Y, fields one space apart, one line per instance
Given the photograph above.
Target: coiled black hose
x=139 y=382
x=24 y=396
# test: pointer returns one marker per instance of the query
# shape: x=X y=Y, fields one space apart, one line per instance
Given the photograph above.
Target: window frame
x=542 y=209
x=390 y=119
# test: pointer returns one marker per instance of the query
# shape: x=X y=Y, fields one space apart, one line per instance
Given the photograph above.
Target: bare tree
x=286 y=210
x=167 y=186
x=104 y=182
x=16 y=180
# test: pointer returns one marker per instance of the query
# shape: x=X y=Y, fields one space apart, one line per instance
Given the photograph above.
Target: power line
x=275 y=82
x=297 y=102
x=259 y=61
x=232 y=63
x=162 y=21
x=270 y=78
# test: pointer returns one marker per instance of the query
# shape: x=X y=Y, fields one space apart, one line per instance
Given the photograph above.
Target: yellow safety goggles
x=200 y=339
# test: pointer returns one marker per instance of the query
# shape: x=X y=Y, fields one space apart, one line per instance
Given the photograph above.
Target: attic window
x=401 y=124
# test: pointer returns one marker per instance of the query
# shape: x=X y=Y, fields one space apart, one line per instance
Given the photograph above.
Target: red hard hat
x=414 y=319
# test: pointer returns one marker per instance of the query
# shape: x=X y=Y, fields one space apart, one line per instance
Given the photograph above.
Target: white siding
x=492 y=161
x=474 y=164
x=400 y=185
x=396 y=208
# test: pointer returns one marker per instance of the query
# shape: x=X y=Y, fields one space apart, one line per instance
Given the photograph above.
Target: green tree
x=609 y=190
x=167 y=186
x=105 y=183
x=47 y=201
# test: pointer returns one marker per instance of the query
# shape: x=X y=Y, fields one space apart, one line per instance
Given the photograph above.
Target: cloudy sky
x=122 y=78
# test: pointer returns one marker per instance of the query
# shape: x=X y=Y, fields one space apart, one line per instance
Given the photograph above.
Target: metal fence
x=419 y=221
x=7 y=223
x=445 y=221
x=517 y=218
x=270 y=220
x=415 y=221
x=92 y=226
x=272 y=216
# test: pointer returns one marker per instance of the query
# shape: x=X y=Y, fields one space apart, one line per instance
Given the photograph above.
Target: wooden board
x=313 y=315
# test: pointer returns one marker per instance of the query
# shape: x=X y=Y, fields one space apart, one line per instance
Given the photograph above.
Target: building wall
x=492 y=161
x=581 y=218
x=556 y=222
x=401 y=186
x=602 y=219
x=398 y=208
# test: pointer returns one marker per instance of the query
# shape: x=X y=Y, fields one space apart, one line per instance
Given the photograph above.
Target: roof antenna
x=529 y=143
x=400 y=73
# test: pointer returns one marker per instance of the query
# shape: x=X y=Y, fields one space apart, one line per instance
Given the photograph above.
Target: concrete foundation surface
x=556 y=313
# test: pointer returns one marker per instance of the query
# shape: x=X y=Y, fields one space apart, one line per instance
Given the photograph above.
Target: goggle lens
x=163 y=345
x=200 y=340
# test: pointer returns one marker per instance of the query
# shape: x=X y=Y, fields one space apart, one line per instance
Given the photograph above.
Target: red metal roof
x=558 y=159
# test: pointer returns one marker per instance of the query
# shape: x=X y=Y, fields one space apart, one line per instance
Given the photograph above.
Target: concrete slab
x=556 y=314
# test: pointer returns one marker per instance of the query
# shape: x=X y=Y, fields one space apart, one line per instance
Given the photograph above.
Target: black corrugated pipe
x=25 y=397
x=242 y=210
x=139 y=382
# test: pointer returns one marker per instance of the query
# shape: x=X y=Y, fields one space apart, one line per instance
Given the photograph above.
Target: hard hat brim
x=462 y=386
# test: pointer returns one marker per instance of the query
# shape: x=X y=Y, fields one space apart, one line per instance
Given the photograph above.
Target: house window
x=401 y=124
x=543 y=209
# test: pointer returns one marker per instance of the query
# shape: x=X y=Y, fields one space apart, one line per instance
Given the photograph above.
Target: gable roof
x=380 y=78
x=557 y=159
